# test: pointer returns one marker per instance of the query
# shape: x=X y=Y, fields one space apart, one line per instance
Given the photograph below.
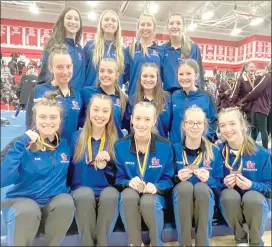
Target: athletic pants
x=259 y=124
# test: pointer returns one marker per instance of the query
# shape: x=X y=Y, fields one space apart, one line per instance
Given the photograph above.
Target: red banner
x=268 y=50
x=230 y=54
x=87 y=36
x=220 y=53
x=4 y=35
x=260 y=49
x=210 y=49
x=16 y=35
x=249 y=50
x=201 y=48
x=44 y=35
x=129 y=40
x=240 y=57
x=31 y=36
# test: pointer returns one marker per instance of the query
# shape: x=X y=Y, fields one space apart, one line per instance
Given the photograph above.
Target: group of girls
x=94 y=173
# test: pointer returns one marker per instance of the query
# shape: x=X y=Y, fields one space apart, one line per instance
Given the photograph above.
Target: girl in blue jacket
x=60 y=65
x=247 y=179
x=144 y=175
x=92 y=173
x=188 y=96
x=179 y=48
x=108 y=85
x=67 y=31
x=199 y=171
x=149 y=88
x=144 y=50
x=107 y=44
x=37 y=166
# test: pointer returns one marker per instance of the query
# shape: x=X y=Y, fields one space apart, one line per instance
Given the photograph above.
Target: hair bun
x=52 y=95
x=58 y=48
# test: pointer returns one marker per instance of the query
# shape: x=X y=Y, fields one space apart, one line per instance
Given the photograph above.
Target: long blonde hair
x=99 y=43
x=186 y=42
x=111 y=132
x=159 y=95
x=144 y=49
x=208 y=155
x=123 y=96
x=249 y=143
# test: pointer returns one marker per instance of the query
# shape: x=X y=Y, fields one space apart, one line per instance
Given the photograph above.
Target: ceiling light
x=192 y=27
x=153 y=8
x=235 y=31
x=92 y=16
x=34 y=9
x=256 y=21
x=208 y=15
x=92 y=3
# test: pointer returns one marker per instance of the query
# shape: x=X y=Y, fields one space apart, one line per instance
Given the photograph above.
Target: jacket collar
x=72 y=93
x=152 y=146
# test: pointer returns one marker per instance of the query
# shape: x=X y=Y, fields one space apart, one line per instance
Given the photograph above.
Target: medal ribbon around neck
x=196 y=162
x=142 y=166
x=46 y=145
x=226 y=156
x=251 y=81
x=101 y=147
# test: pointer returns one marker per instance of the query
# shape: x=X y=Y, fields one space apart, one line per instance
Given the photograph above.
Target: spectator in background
x=223 y=93
x=24 y=88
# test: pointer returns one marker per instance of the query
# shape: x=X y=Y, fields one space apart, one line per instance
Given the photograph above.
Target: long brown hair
x=186 y=42
x=249 y=143
x=123 y=96
x=59 y=32
x=99 y=43
x=111 y=132
x=159 y=95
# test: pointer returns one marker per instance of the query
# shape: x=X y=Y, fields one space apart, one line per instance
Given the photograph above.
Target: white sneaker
x=242 y=244
x=13 y=117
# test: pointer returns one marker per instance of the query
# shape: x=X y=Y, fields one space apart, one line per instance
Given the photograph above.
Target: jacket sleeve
x=19 y=87
x=10 y=162
x=200 y=65
x=45 y=75
x=165 y=183
x=29 y=106
x=257 y=90
x=126 y=75
x=122 y=180
x=212 y=118
x=87 y=52
x=234 y=97
x=264 y=186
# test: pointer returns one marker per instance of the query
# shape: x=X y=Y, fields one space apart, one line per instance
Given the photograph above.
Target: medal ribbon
x=101 y=147
x=196 y=162
x=142 y=166
x=226 y=156
x=46 y=145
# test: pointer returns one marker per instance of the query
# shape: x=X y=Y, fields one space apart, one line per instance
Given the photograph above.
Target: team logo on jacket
x=207 y=164
x=155 y=53
x=75 y=105
x=250 y=166
x=118 y=102
x=79 y=57
x=64 y=158
x=155 y=163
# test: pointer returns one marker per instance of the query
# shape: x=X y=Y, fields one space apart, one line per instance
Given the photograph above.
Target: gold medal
x=193 y=167
x=100 y=164
x=196 y=162
x=235 y=172
x=141 y=187
x=142 y=166
x=46 y=145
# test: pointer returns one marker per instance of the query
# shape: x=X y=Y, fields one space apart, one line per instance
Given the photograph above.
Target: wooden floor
x=229 y=241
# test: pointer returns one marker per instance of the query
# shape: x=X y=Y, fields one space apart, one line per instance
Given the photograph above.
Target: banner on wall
x=201 y=48
x=16 y=35
x=87 y=36
x=268 y=50
x=209 y=55
x=127 y=41
x=220 y=53
x=31 y=36
x=4 y=34
x=44 y=35
x=230 y=58
x=249 y=50
x=240 y=57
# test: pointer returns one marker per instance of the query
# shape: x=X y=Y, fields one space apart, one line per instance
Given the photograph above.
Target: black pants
x=269 y=122
x=259 y=124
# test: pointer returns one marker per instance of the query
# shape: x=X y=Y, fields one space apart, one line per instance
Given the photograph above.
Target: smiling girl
x=37 y=165
x=67 y=31
x=107 y=44
x=179 y=48
x=199 y=171
x=92 y=173
x=247 y=179
x=61 y=67
x=189 y=95
x=144 y=171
